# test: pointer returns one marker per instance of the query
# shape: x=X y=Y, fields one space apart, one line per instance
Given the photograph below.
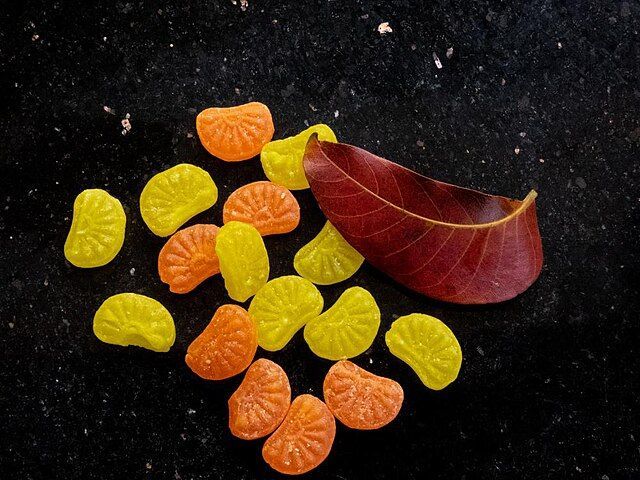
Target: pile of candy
x=301 y=431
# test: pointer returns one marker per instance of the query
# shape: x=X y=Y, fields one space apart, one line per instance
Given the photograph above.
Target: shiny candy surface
x=328 y=258
x=172 y=197
x=243 y=258
x=428 y=346
x=282 y=159
x=282 y=307
x=132 y=319
x=97 y=229
x=346 y=329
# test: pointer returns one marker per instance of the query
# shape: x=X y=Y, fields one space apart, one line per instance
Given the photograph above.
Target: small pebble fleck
x=581 y=182
x=517 y=150
x=384 y=28
x=449 y=52
x=437 y=60
x=132 y=271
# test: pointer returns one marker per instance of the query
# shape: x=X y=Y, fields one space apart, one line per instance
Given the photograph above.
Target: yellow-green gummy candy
x=346 y=329
x=282 y=159
x=282 y=307
x=97 y=229
x=132 y=319
x=428 y=346
x=244 y=263
x=328 y=258
x=172 y=197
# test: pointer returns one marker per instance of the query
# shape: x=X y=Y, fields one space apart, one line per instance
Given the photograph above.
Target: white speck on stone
x=191 y=411
x=517 y=150
x=126 y=124
x=523 y=134
x=104 y=39
x=109 y=110
x=384 y=28
x=35 y=37
x=171 y=45
x=370 y=360
x=11 y=325
x=336 y=114
x=480 y=350
x=437 y=60
x=46 y=282
x=132 y=271
x=559 y=45
x=244 y=4
x=541 y=160
x=313 y=109
x=503 y=82
x=449 y=52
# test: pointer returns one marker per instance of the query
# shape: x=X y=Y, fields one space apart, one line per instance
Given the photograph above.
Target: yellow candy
x=328 y=258
x=282 y=307
x=282 y=159
x=97 y=229
x=244 y=263
x=428 y=346
x=172 y=197
x=346 y=329
x=132 y=319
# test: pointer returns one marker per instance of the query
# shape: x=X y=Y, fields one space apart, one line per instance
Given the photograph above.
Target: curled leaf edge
x=524 y=204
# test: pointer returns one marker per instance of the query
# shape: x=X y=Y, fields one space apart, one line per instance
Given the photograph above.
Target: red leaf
x=450 y=243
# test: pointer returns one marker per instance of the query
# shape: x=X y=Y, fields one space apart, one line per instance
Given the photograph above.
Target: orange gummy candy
x=270 y=208
x=235 y=133
x=226 y=346
x=303 y=440
x=188 y=258
x=261 y=401
x=360 y=399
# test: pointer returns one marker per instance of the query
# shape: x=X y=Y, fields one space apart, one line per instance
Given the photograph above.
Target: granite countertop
x=498 y=96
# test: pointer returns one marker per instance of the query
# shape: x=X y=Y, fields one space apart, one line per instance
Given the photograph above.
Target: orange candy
x=226 y=346
x=360 y=399
x=261 y=401
x=304 y=438
x=188 y=258
x=235 y=133
x=270 y=208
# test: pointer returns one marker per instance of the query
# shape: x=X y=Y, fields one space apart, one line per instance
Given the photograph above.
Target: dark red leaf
x=447 y=242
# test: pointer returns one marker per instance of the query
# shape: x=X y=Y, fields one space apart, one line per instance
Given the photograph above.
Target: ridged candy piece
x=282 y=159
x=131 y=319
x=360 y=399
x=189 y=258
x=282 y=307
x=226 y=347
x=347 y=328
x=261 y=401
x=328 y=258
x=172 y=197
x=303 y=440
x=235 y=133
x=97 y=229
x=244 y=262
x=428 y=346
x=269 y=207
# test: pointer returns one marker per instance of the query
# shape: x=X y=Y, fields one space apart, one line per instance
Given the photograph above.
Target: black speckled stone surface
x=538 y=94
